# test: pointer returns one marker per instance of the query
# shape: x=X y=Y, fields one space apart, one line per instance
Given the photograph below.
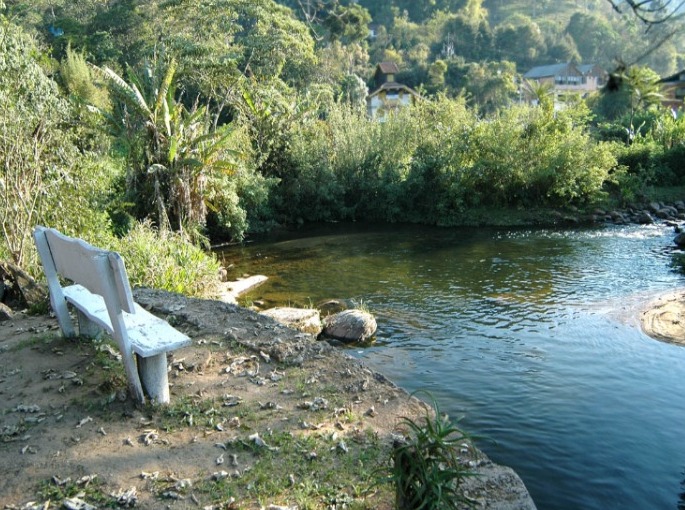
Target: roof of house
x=388 y=68
x=550 y=70
x=394 y=86
x=674 y=78
x=560 y=70
x=589 y=68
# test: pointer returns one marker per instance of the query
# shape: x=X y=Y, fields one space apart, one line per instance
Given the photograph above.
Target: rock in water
x=350 y=326
x=307 y=320
x=644 y=218
x=680 y=240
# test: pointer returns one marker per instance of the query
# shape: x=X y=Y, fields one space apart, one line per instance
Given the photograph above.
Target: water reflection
x=522 y=332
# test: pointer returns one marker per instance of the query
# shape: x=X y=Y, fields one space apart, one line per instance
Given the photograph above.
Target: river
x=529 y=337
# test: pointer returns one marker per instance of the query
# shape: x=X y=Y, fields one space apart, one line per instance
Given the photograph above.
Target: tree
x=520 y=40
x=43 y=177
x=652 y=12
x=217 y=42
x=349 y=24
x=491 y=85
x=540 y=93
x=172 y=151
x=354 y=91
x=337 y=60
x=636 y=93
x=78 y=80
x=473 y=41
x=643 y=84
x=436 y=74
x=475 y=12
x=594 y=38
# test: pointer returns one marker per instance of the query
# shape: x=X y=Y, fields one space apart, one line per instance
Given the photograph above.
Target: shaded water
x=529 y=335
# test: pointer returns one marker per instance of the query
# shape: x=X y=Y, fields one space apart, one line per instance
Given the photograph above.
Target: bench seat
x=148 y=334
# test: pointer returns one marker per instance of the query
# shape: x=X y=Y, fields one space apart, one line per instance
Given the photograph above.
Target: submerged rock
x=350 y=326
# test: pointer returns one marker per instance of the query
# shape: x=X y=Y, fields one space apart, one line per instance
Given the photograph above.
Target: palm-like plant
x=427 y=471
x=643 y=84
x=541 y=93
x=173 y=151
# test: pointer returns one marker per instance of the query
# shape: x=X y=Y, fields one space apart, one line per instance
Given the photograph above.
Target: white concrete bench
x=102 y=297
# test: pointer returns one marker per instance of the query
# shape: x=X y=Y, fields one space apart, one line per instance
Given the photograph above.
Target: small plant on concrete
x=426 y=470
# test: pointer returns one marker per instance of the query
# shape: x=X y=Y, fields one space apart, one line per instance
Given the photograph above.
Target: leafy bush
x=426 y=469
x=45 y=179
x=431 y=162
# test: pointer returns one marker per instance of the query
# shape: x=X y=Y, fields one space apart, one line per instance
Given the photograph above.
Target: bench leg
x=153 y=375
x=86 y=327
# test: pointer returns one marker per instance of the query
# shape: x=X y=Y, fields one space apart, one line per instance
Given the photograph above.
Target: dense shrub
x=167 y=260
x=44 y=178
x=433 y=161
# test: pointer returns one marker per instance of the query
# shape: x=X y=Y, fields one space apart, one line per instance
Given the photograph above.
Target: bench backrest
x=98 y=270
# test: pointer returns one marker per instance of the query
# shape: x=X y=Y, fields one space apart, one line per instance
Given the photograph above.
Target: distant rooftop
x=388 y=68
x=545 y=71
x=559 y=70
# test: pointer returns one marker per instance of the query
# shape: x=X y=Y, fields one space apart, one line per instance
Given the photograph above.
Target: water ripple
x=518 y=331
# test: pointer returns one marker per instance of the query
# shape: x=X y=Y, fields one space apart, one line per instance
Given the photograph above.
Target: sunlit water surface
x=529 y=335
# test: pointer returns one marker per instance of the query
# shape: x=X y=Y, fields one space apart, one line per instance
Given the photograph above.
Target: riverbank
x=262 y=416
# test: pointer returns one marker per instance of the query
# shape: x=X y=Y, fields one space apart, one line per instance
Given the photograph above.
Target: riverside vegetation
x=158 y=146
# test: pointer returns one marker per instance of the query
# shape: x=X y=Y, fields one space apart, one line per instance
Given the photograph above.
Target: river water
x=529 y=337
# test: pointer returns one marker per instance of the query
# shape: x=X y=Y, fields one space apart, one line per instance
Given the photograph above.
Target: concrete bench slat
x=148 y=334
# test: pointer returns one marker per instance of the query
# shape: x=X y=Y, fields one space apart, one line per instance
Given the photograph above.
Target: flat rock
x=232 y=290
x=664 y=318
x=307 y=320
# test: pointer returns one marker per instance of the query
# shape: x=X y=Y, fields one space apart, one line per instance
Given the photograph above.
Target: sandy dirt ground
x=66 y=421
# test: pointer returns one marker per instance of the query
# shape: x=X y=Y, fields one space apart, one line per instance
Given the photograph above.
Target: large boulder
x=654 y=207
x=20 y=290
x=618 y=217
x=680 y=240
x=666 y=213
x=644 y=218
x=350 y=326
x=5 y=312
x=307 y=320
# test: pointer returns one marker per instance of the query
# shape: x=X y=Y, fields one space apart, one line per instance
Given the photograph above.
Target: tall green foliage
x=77 y=77
x=43 y=177
x=435 y=161
x=172 y=151
x=166 y=260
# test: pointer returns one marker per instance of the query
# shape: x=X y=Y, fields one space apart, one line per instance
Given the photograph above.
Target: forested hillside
x=438 y=43
x=206 y=120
